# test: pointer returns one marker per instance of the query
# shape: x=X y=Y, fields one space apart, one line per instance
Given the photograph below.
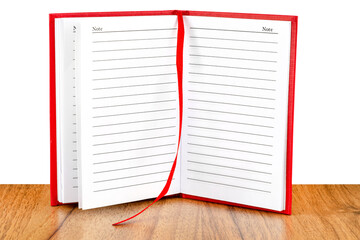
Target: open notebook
x=120 y=83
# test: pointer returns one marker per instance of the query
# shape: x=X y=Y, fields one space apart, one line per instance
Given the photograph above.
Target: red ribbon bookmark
x=179 y=67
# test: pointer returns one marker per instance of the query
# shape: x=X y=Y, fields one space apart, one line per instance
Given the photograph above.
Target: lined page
x=128 y=108
x=235 y=93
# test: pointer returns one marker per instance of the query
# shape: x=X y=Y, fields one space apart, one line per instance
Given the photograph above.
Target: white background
x=327 y=102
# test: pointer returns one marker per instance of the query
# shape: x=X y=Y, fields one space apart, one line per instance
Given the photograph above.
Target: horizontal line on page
x=230 y=176
x=231 y=140
x=140 y=130
x=236 y=49
x=148 y=165
x=133 y=67
x=134 y=39
x=75 y=186
x=137 y=30
x=229 y=185
x=225 y=121
x=136 y=76
x=232 y=85
x=133 y=185
x=134 y=149
x=230 y=149
x=221 y=75
x=225 y=130
x=132 y=58
x=130 y=104
x=230 y=30
x=134 y=158
x=131 y=95
x=231 y=94
x=229 y=158
x=140 y=175
x=242 y=169
x=75 y=177
x=131 y=113
x=235 y=113
x=233 y=39
x=221 y=66
x=235 y=104
x=123 y=123
x=136 y=85
x=131 y=49
x=133 y=140
x=233 y=58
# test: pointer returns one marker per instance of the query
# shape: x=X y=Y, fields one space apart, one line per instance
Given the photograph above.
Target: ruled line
x=133 y=140
x=132 y=58
x=221 y=66
x=136 y=76
x=134 y=149
x=231 y=30
x=230 y=176
x=141 y=130
x=134 y=67
x=231 y=140
x=131 y=113
x=134 y=39
x=227 y=103
x=130 y=104
x=242 y=169
x=137 y=85
x=224 y=130
x=231 y=94
x=229 y=185
x=233 y=58
x=233 y=39
x=225 y=121
x=138 y=30
x=242 y=114
x=233 y=49
x=229 y=158
x=242 y=77
x=127 y=159
x=131 y=49
x=231 y=149
x=140 y=175
x=232 y=85
x=133 y=185
x=136 y=94
x=148 y=165
x=123 y=123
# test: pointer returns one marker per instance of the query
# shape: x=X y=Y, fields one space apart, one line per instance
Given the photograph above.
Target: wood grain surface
x=319 y=212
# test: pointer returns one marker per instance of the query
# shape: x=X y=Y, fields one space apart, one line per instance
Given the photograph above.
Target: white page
x=235 y=110
x=128 y=108
x=65 y=111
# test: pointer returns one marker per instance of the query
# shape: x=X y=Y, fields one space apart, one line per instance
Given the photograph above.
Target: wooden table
x=319 y=212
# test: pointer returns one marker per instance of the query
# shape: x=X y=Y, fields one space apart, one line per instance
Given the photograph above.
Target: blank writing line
x=225 y=121
x=231 y=149
x=238 y=49
x=134 y=39
x=132 y=49
x=134 y=149
x=134 y=158
x=242 y=169
x=230 y=94
x=243 y=114
x=148 y=165
x=133 y=185
x=236 y=104
x=132 y=58
x=229 y=185
x=146 y=66
x=122 y=114
x=221 y=66
x=130 y=104
x=136 y=94
x=231 y=140
x=145 y=174
x=137 y=30
x=220 y=75
x=231 y=30
x=133 y=140
x=233 y=58
x=137 y=76
x=230 y=176
x=231 y=85
x=141 y=130
x=137 y=85
x=232 y=39
x=235 y=159
x=217 y=129
x=122 y=123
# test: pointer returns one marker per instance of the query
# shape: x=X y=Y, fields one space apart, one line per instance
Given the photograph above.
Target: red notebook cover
x=292 y=19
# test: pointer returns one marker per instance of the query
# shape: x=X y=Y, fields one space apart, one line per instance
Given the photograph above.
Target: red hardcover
x=292 y=19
